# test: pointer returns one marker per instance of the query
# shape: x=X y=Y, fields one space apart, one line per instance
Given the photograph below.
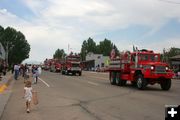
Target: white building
x=97 y=60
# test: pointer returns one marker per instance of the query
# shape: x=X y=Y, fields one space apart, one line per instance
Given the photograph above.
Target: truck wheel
x=112 y=78
x=66 y=72
x=123 y=82
x=165 y=84
x=141 y=82
x=133 y=83
x=119 y=81
x=79 y=73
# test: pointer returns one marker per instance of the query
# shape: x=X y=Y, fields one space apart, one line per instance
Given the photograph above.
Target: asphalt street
x=89 y=97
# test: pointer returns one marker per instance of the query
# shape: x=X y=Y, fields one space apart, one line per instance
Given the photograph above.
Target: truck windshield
x=148 y=57
x=75 y=65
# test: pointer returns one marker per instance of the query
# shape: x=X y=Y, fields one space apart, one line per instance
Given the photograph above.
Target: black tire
x=111 y=78
x=141 y=82
x=67 y=73
x=123 y=82
x=62 y=72
x=80 y=73
x=165 y=84
x=119 y=81
x=133 y=83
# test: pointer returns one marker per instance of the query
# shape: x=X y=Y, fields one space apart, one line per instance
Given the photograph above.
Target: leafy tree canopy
x=15 y=44
x=104 y=47
x=167 y=53
x=59 y=54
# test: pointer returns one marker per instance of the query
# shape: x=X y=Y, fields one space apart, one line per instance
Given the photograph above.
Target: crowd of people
x=25 y=71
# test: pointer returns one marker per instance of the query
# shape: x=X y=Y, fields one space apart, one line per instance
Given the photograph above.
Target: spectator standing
x=4 y=68
x=39 y=70
x=16 y=70
x=26 y=73
x=35 y=74
x=12 y=69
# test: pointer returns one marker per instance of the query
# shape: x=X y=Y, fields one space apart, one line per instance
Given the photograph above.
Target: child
x=28 y=95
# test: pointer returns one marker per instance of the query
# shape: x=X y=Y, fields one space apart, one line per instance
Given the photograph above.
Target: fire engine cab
x=141 y=67
x=72 y=65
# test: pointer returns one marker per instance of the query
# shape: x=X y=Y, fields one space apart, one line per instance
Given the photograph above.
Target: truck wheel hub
x=139 y=82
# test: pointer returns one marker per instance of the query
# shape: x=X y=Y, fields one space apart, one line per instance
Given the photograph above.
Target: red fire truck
x=72 y=65
x=55 y=66
x=141 y=67
x=46 y=65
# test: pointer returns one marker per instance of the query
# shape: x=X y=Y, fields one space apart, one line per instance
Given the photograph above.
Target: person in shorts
x=28 y=95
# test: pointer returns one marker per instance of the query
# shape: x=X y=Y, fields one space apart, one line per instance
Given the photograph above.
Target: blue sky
x=49 y=25
x=16 y=7
x=137 y=33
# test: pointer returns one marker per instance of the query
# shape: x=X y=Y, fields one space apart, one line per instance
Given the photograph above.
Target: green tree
x=91 y=45
x=106 y=46
x=15 y=44
x=59 y=54
x=88 y=46
x=167 y=54
x=83 y=50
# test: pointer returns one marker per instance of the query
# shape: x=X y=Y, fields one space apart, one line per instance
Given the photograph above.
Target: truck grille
x=160 y=69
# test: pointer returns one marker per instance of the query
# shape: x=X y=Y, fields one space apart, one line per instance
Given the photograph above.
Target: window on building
x=102 y=64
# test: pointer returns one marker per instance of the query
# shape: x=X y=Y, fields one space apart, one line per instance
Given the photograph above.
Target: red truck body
x=72 y=65
x=142 y=67
x=46 y=65
x=55 y=65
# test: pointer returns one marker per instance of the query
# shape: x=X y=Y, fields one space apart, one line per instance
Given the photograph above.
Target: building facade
x=175 y=63
x=96 y=61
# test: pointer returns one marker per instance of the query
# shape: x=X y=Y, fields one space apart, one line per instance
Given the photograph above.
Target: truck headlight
x=167 y=68
x=152 y=67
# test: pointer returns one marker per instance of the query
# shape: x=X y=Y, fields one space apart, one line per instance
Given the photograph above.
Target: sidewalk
x=5 y=90
x=15 y=104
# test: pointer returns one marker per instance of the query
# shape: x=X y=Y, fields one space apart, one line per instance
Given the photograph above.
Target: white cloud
x=157 y=46
x=58 y=23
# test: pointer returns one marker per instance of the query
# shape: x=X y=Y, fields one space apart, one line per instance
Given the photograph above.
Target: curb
x=5 y=93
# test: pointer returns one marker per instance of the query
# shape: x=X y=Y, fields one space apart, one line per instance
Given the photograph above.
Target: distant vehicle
x=72 y=65
x=55 y=67
x=58 y=67
x=142 y=67
x=46 y=65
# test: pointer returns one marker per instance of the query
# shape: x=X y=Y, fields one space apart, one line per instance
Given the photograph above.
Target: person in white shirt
x=16 y=71
x=28 y=95
x=39 y=70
